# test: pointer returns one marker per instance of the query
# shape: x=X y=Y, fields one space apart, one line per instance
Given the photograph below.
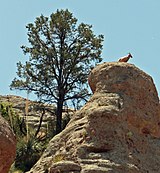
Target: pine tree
x=61 y=54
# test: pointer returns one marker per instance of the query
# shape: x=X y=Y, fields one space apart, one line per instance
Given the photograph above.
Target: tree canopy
x=61 y=54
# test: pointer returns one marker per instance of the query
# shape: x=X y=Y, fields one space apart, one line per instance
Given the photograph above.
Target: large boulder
x=7 y=146
x=117 y=131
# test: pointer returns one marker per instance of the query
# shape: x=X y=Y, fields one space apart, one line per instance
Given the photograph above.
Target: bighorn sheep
x=125 y=58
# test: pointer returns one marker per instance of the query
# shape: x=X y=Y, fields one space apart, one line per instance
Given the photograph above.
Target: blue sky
x=128 y=26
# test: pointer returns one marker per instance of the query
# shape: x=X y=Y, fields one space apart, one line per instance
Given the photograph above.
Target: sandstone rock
x=7 y=146
x=34 y=110
x=117 y=131
x=65 y=166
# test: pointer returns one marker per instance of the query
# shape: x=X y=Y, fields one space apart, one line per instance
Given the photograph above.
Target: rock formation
x=117 y=131
x=34 y=110
x=7 y=146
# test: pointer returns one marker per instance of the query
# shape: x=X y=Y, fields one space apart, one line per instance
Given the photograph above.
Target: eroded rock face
x=117 y=131
x=34 y=110
x=7 y=146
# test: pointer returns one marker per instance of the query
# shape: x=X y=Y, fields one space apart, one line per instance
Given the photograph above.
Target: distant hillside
x=35 y=111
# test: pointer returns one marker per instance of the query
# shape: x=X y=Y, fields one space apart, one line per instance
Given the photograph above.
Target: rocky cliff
x=34 y=109
x=117 y=131
x=7 y=146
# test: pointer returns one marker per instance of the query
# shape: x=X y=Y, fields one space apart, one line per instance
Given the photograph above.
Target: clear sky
x=128 y=26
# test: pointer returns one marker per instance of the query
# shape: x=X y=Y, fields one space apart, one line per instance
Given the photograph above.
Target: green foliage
x=29 y=149
x=28 y=153
x=5 y=108
x=61 y=54
x=13 y=119
x=58 y=158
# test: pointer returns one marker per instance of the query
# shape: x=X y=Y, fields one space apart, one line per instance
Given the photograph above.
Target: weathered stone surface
x=117 y=131
x=7 y=146
x=65 y=166
x=34 y=110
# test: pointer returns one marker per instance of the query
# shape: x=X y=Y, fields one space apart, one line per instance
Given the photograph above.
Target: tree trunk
x=59 y=116
x=40 y=122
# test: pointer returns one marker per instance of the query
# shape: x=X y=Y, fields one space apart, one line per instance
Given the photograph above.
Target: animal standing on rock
x=125 y=58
